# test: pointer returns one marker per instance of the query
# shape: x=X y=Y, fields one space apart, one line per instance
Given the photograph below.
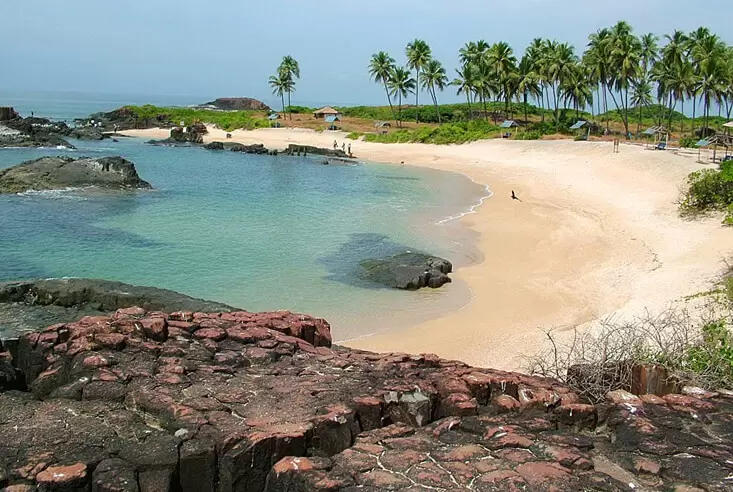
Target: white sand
x=596 y=234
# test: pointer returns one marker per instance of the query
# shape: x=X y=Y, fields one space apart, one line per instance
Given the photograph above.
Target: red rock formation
x=243 y=401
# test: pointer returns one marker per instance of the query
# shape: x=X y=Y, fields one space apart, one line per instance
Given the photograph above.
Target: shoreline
x=596 y=234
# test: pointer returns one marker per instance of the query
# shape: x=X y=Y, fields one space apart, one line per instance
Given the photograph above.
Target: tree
x=434 y=77
x=625 y=67
x=576 y=89
x=381 y=67
x=710 y=56
x=401 y=84
x=466 y=83
x=559 y=68
x=281 y=83
x=642 y=96
x=290 y=68
x=527 y=82
x=535 y=58
x=501 y=57
x=418 y=54
x=597 y=58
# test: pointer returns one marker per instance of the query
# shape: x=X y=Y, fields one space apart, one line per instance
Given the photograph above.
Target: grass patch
x=451 y=133
x=354 y=136
x=709 y=189
x=226 y=120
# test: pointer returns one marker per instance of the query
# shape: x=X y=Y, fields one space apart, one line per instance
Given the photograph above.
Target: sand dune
x=596 y=233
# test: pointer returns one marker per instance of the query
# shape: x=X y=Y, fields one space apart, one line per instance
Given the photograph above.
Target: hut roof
x=728 y=125
x=578 y=125
x=382 y=124
x=508 y=124
x=655 y=130
x=332 y=118
x=327 y=110
x=274 y=116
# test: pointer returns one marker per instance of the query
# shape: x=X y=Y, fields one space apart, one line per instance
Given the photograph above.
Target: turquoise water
x=257 y=232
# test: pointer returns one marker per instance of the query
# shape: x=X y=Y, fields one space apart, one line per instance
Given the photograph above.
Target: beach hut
x=660 y=134
x=582 y=128
x=382 y=126
x=326 y=112
x=331 y=120
x=719 y=139
x=506 y=125
x=273 y=120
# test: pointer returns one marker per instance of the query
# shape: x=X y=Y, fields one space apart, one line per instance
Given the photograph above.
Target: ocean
x=256 y=232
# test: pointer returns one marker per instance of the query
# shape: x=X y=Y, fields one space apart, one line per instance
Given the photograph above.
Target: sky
x=228 y=48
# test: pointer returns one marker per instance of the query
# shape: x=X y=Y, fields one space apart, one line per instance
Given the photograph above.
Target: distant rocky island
x=54 y=173
x=16 y=131
x=236 y=104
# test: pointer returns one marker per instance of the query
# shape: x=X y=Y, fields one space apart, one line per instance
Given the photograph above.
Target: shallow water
x=257 y=232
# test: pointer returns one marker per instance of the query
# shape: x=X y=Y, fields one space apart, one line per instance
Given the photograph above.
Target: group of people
x=344 y=147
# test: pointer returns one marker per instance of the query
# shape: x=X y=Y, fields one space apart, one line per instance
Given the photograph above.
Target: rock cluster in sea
x=409 y=271
x=238 y=401
x=237 y=104
x=53 y=173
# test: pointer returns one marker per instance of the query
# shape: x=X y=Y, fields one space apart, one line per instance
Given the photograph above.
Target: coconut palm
x=501 y=57
x=649 y=52
x=418 y=54
x=642 y=96
x=434 y=78
x=528 y=82
x=381 y=67
x=710 y=57
x=597 y=59
x=400 y=84
x=289 y=66
x=625 y=66
x=466 y=83
x=281 y=83
x=576 y=89
x=559 y=67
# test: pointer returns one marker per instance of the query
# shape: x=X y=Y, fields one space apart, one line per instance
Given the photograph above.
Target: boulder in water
x=54 y=173
x=409 y=271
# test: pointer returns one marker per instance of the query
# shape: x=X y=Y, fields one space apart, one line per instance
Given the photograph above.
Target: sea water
x=256 y=232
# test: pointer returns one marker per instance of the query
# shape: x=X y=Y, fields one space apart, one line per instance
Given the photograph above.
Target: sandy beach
x=596 y=234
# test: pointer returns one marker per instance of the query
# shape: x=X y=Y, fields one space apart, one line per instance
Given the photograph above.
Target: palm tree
x=281 y=83
x=642 y=96
x=290 y=67
x=401 y=85
x=434 y=77
x=649 y=52
x=625 y=67
x=466 y=83
x=559 y=68
x=710 y=57
x=577 y=90
x=597 y=58
x=535 y=54
x=501 y=57
x=418 y=54
x=381 y=67
x=528 y=82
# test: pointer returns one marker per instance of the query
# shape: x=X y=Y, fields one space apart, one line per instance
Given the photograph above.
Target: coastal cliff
x=244 y=401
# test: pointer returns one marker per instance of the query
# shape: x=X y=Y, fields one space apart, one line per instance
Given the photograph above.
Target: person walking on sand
x=349 y=149
x=343 y=147
x=335 y=145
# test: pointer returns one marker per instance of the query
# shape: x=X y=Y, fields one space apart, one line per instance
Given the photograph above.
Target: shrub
x=694 y=350
x=528 y=135
x=708 y=189
x=688 y=143
x=226 y=120
x=452 y=133
x=354 y=135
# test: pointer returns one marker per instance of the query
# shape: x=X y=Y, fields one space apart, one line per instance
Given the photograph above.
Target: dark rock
x=33 y=132
x=114 y=475
x=33 y=304
x=237 y=104
x=297 y=149
x=52 y=173
x=237 y=147
x=193 y=134
x=87 y=133
x=409 y=271
x=8 y=114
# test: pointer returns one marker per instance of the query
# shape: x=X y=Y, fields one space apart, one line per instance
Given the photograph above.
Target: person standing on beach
x=343 y=147
x=335 y=145
x=349 y=149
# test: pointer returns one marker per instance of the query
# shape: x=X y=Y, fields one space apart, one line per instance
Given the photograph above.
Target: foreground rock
x=238 y=147
x=148 y=401
x=408 y=271
x=57 y=173
x=193 y=134
x=34 y=304
x=297 y=149
x=237 y=104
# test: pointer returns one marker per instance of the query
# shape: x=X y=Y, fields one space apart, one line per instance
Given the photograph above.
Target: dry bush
x=695 y=349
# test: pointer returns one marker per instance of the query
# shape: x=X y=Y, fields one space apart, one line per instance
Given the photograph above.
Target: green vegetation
x=226 y=120
x=354 y=135
x=452 y=133
x=284 y=80
x=708 y=189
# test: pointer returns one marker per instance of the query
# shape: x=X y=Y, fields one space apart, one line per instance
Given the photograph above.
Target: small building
x=582 y=128
x=382 y=126
x=331 y=120
x=325 y=112
x=507 y=124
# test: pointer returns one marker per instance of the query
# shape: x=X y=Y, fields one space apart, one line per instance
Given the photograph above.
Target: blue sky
x=230 y=47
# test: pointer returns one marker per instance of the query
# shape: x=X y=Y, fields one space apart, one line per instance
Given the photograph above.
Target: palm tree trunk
x=682 y=120
x=542 y=101
x=417 y=96
x=526 y=121
x=483 y=100
x=694 y=108
x=605 y=106
x=389 y=100
x=290 y=108
x=399 y=108
x=435 y=101
x=468 y=100
x=638 y=127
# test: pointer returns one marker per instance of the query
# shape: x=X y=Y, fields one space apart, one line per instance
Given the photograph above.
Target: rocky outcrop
x=8 y=113
x=297 y=149
x=193 y=134
x=238 y=401
x=87 y=133
x=34 y=304
x=124 y=118
x=238 y=147
x=52 y=173
x=33 y=132
x=408 y=271
x=237 y=104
